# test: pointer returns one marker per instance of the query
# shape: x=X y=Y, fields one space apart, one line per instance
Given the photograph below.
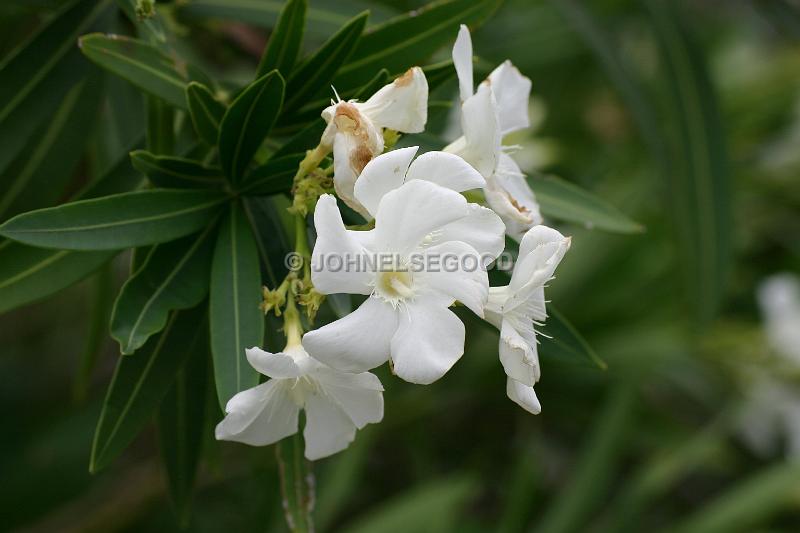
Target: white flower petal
x=333 y=239
x=543 y=250
x=457 y=274
x=481 y=126
x=407 y=215
x=512 y=91
x=401 y=105
x=523 y=396
x=350 y=157
x=259 y=416
x=518 y=355
x=358 y=342
x=481 y=228
x=448 y=170
x=509 y=195
x=274 y=365
x=462 y=59
x=428 y=342
x=328 y=429
x=359 y=395
x=381 y=175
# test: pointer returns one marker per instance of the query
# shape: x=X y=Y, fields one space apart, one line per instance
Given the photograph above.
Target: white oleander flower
x=518 y=307
x=418 y=224
x=336 y=403
x=355 y=129
x=499 y=106
x=772 y=408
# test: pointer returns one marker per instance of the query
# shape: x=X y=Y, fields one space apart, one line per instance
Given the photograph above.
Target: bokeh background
x=685 y=115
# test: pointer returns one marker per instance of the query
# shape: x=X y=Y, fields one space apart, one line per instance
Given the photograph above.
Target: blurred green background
x=685 y=115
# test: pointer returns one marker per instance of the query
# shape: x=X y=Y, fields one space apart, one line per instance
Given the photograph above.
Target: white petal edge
x=448 y=170
x=383 y=174
x=462 y=60
x=259 y=416
x=512 y=91
x=328 y=429
x=523 y=396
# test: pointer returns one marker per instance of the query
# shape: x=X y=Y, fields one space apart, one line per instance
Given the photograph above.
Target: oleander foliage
x=145 y=162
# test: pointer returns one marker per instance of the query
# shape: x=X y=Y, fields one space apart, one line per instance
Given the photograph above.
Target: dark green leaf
x=247 y=123
x=141 y=381
x=160 y=131
x=140 y=63
x=410 y=39
x=181 y=422
x=237 y=322
x=560 y=340
x=264 y=214
x=562 y=200
x=176 y=172
x=438 y=73
x=434 y=506
x=316 y=72
x=205 y=110
x=286 y=39
x=303 y=140
x=102 y=298
x=115 y=222
x=699 y=188
x=174 y=276
x=273 y=177
x=36 y=75
x=29 y=274
x=38 y=177
x=152 y=27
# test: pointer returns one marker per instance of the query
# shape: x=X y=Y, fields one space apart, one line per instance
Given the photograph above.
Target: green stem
x=296 y=484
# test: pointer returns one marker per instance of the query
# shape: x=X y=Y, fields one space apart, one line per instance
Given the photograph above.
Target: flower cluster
x=415 y=208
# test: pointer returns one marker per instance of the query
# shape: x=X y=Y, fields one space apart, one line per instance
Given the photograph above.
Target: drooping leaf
x=176 y=172
x=315 y=73
x=102 y=298
x=264 y=214
x=28 y=274
x=247 y=123
x=173 y=276
x=181 y=421
x=140 y=63
x=562 y=200
x=42 y=171
x=140 y=382
x=286 y=40
x=37 y=74
x=273 y=177
x=699 y=180
x=410 y=39
x=115 y=222
x=237 y=322
x=561 y=341
x=434 y=506
x=205 y=111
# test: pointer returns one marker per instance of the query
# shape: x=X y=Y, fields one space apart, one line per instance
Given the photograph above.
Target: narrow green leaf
x=160 y=130
x=29 y=274
x=237 y=322
x=39 y=175
x=102 y=297
x=562 y=200
x=273 y=177
x=699 y=181
x=181 y=421
x=176 y=172
x=247 y=123
x=141 y=381
x=439 y=73
x=316 y=72
x=36 y=74
x=561 y=341
x=264 y=215
x=115 y=222
x=152 y=27
x=174 y=276
x=286 y=39
x=205 y=111
x=410 y=39
x=748 y=504
x=140 y=63
x=433 y=507
x=592 y=474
